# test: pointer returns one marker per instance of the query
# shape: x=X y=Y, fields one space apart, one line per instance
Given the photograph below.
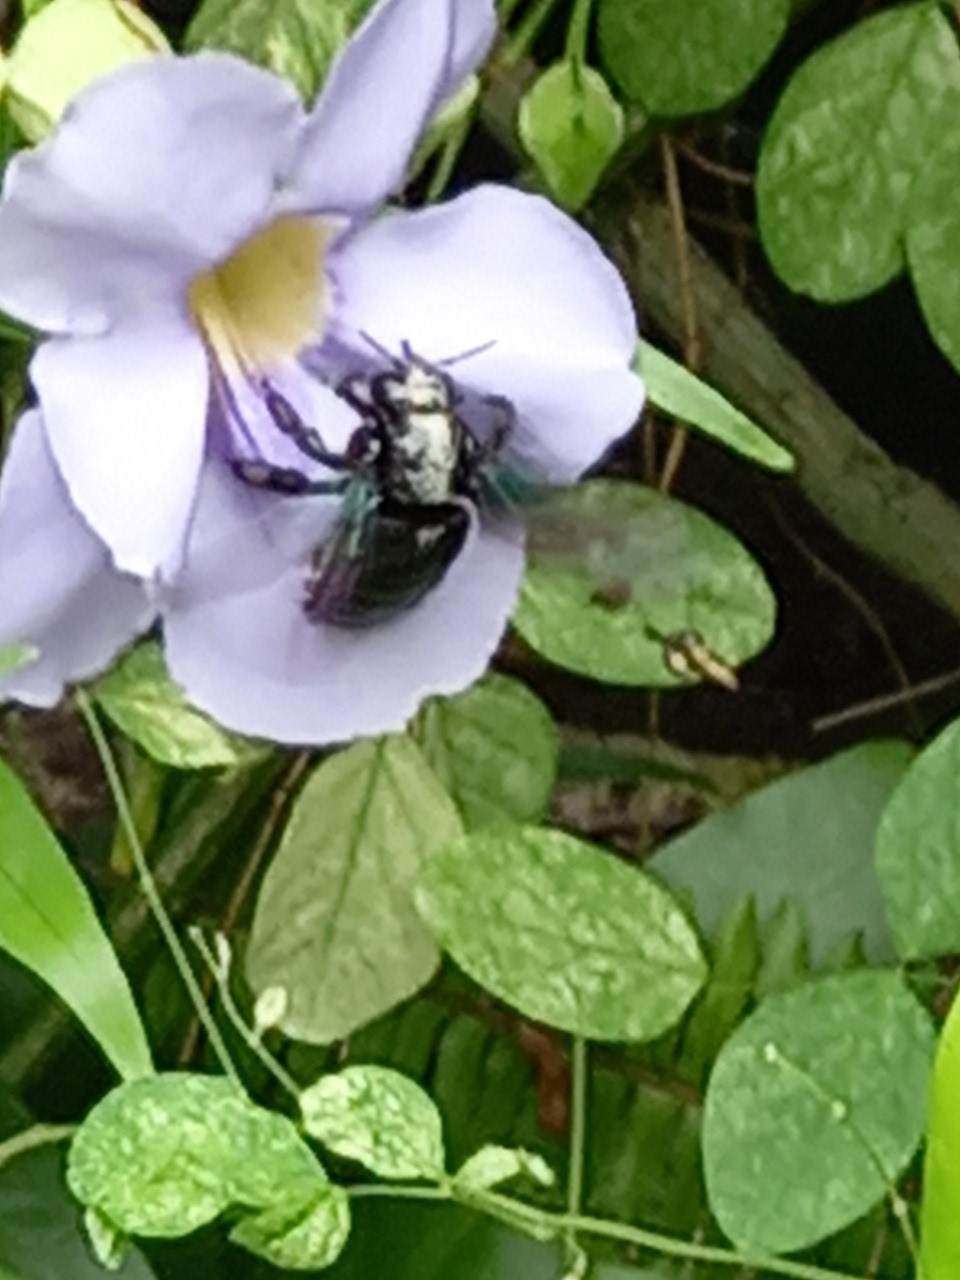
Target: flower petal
x=387 y=82
x=509 y=271
x=125 y=415
x=60 y=591
x=155 y=173
x=252 y=660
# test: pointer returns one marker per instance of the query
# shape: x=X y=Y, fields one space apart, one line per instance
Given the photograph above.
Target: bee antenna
x=380 y=349
x=466 y=355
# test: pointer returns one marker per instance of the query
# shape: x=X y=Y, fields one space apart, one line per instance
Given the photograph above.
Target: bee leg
x=285 y=480
x=307 y=439
x=503 y=421
x=354 y=390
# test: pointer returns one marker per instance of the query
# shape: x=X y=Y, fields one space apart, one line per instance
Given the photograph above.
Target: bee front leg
x=286 y=480
x=307 y=439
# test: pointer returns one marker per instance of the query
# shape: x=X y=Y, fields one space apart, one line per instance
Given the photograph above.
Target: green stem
x=149 y=885
x=578 y=1126
x=246 y=1033
x=506 y=9
x=577 y=32
x=40 y=1135
x=526 y=33
x=545 y=1224
x=450 y=154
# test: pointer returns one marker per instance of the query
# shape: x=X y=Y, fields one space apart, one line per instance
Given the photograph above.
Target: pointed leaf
x=48 y=923
x=815 y=1107
x=677 y=391
x=572 y=126
x=335 y=925
x=492 y=1165
x=564 y=932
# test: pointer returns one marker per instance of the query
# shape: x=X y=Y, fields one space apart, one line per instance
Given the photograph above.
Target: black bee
x=414 y=476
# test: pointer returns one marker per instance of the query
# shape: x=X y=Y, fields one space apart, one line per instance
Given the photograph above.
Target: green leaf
x=807 y=839
x=677 y=391
x=785 y=950
x=165 y=1156
x=492 y=1165
x=564 y=932
x=48 y=923
x=814 y=1109
x=615 y=570
x=918 y=852
x=335 y=924
x=572 y=126
x=296 y=38
x=684 y=57
x=495 y=748
x=378 y=1117
x=933 y=242
x=306 y=1239
x=939 y=1221
x=845 y=146
x=15 y=656
x=141 y=699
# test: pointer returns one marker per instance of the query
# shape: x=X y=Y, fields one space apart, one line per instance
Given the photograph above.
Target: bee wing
x=338 y=561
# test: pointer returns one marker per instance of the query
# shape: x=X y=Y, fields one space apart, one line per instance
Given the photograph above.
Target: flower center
x=262 y=305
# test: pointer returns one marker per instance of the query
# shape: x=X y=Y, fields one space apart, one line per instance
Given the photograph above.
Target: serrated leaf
x=677 y=391
x=815 y=1106
x=165 y=1156
x=296 y=38
x=141 y=699
x=939 y=1222
x=378 y=1117
x=684 y=57
x=495 y=748
x=564 y=932
x=48 y=923
x=918 y=852
x=806 y=839
x=572 y=126
x=492 y=1165
x=616 y=570
x=845 y=146
x=335 y=924
x=933 y=242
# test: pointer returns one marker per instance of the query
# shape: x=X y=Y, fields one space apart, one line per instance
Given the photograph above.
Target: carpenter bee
x=411 y=478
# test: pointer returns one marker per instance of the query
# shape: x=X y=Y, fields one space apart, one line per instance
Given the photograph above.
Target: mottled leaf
x=815 y=1106
x=918 y=852
x=572 y=126
x=335 y=925
x=492 y=1165
x=940 y=1222
x=296 y=38
x=495 y=748
x=617 y=571
x=683 y=57
x=564 y=932
x=845 y=147
x=378 y=1117
x=48 y=923
x=141 y=699
x=806 y=839
x=677 y=391
x=164 y=1156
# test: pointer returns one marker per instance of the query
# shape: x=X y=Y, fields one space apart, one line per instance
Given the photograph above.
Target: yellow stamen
x=261 y=306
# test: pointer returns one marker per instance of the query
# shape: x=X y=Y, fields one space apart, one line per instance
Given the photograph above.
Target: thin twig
x=40 y=1135
x=737 y=177
x=241 y=890
x=885 y=701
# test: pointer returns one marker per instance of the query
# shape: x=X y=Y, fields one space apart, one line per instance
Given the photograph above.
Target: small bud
x=269 y=1010
x=69 y=44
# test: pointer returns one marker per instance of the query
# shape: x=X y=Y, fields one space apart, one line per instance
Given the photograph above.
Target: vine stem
x=578 y=1134
x=149 y=885
x=40 y=1135
x=545 y=1224
x=518 y=44
x=577 y=32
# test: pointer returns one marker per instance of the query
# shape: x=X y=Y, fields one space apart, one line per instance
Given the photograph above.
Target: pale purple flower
x=143 y=421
